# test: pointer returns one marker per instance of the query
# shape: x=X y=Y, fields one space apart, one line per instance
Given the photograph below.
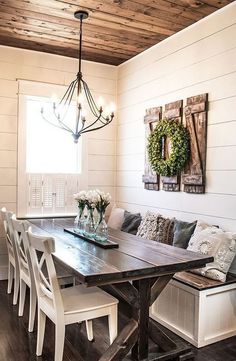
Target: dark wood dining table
x=137 y=271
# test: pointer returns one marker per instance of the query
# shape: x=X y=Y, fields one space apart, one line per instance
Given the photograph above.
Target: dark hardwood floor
x=16 y=344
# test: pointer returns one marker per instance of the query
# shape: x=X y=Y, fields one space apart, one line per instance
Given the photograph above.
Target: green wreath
x=179 y=138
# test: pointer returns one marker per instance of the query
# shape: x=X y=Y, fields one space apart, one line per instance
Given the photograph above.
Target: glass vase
x=89 y=227
x=101 y=228
x=80 y=221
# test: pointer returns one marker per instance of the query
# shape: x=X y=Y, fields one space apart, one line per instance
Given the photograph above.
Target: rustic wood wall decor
x=173 y=110
x=195 y=119
x=150 y=178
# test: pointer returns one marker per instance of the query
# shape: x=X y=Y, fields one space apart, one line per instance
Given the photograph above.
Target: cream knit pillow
x=219 y=244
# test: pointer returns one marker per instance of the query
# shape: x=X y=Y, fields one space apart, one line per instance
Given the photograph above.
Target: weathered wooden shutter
x=150 y=178
x=196 y=123
x=173 y=110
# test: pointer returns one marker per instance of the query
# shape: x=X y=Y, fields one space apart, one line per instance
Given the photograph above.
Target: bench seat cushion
x=200 y=282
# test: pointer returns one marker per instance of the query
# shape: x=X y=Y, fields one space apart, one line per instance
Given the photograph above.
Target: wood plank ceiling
x=115 y=31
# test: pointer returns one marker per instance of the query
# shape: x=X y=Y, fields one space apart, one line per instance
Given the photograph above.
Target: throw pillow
x=116 y=218
x=157 y=228
x=182 y=233
x=131 y=222
x=219 y=244
x=164 y=231
x=148 y=226
x=201 y=225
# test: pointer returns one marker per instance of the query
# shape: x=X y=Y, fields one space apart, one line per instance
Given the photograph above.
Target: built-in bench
x=198 y=309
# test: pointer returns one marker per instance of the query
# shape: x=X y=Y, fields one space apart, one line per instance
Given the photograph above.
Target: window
x=50 y=167
x=49 y=149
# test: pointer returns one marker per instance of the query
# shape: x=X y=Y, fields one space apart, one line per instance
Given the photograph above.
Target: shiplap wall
x=200 y=59
x=28 y=65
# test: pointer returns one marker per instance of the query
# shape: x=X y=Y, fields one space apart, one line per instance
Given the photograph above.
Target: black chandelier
x=79 y=86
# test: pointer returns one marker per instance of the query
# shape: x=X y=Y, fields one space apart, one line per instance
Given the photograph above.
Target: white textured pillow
x=148 y=226
x=116 y=218
x=218 y=244
x=201 y=225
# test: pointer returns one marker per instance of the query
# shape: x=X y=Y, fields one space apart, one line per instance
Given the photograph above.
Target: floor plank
x=17 y=344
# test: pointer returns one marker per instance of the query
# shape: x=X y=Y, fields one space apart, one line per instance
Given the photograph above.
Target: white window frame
x=30 y=88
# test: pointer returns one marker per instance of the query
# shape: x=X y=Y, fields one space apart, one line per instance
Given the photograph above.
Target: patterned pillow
x=157 y=228
x=219 y=244
x=164 y=231
x=201 y=225
x=148 y=226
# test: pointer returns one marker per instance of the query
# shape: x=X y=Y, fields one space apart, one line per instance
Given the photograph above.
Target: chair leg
x=22 y=298
x=10 y=277
x=89 y=329
x=32 y=310
x=16 y=286
x=112 y=323
x=41 y=331
x=59 y=341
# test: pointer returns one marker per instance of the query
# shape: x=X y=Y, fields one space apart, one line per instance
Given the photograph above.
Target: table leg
x=141 y=315
x=140 y=295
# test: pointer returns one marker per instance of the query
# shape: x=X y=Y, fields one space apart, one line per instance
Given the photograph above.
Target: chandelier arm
x=63 y=125
x=55 y=125
x=78 y=117
x=67 y=106
x=95 y=121
x=71 y=93
x=86 y=87
x=90 y=100
x=67 y=93
x=90 y=130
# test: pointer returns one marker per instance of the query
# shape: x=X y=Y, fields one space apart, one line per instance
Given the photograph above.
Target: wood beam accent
x=159 y=337
x=123 y=343
x=127 y=291
x=159 y=286
x=141 y=315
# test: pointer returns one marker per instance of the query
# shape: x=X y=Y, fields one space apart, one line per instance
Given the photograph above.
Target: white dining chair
x=13 y=266
x=66 y=306
x=25 y=268
x=26 y=275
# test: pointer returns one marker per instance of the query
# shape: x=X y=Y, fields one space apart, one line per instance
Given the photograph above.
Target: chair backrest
x=41 y=249
x=22 y=246
x=6 y=218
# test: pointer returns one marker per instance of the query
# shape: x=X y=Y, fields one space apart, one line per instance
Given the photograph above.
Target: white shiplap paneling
x=197 y=60
x=47 y=68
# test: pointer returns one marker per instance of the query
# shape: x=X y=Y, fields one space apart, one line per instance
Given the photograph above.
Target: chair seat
x=81 y=298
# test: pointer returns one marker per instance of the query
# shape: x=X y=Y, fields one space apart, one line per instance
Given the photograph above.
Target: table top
x=136 y=258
